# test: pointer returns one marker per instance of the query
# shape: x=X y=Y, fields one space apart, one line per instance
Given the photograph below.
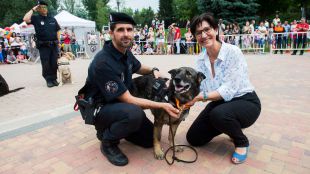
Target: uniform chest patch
x=42 y=22
x=111 y=87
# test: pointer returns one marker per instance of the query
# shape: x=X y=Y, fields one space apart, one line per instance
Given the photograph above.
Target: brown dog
x=64 y=71
x=184 y=86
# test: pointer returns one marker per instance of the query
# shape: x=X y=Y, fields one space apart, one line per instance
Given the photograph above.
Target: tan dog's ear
x=200 y=77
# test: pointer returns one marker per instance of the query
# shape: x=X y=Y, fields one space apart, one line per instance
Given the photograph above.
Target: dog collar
x=181 y=108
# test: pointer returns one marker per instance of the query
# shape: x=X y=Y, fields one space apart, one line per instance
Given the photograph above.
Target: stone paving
x=280 y=139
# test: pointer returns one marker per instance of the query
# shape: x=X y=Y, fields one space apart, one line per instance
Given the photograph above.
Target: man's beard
x=125 y=42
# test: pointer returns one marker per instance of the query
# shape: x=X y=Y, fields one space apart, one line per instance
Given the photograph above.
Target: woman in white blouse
x=234 y=104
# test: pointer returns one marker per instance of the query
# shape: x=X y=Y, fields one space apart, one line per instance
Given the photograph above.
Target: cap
x=116 y=18
x=40 y=2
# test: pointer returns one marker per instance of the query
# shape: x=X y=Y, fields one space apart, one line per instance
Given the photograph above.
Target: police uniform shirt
x=110 y=73
x=46 y=27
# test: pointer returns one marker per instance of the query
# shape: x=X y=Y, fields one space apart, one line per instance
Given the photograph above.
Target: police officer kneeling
x=109 y=79
x=46 y=28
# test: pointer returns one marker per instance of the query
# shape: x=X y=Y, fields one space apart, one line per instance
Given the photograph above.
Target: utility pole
x=118 y=2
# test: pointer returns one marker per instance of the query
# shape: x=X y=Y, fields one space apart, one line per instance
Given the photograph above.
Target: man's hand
x=156 y=74
x=170 y=110
x=35 y=8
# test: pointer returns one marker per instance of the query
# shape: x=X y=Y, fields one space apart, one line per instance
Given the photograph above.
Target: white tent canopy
x=66 y=19
x=79 y=25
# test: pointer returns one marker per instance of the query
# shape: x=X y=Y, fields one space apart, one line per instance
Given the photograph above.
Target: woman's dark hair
x=197 y=20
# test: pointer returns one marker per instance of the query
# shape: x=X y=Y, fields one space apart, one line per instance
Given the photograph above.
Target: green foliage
x=166 y=11
x=102 y=15
x=287 y=9
x=145 y=16
x=13 y=11
x=92 y=7
x=230 y=10
x=184 y=10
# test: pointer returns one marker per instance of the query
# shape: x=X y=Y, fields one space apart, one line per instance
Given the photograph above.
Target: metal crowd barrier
x=290 y=41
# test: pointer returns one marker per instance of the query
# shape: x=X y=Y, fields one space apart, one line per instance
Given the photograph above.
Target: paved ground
x=39 y=133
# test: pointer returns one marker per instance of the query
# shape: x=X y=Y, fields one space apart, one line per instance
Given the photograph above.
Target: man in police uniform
x=46 y=28
x=109 y=79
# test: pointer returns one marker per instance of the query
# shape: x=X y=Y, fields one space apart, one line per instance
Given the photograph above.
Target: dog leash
x=174 y=157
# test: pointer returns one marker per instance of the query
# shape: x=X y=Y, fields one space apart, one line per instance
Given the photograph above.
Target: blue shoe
x=240 y=158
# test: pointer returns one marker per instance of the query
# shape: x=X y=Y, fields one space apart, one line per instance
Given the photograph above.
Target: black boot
x=55 y=82
x=49 y=84
x=111 y=151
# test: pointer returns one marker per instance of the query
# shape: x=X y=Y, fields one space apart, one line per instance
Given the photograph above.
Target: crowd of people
x=13 y=48
x=154 y=39
x=279 y=35
x=250 y=37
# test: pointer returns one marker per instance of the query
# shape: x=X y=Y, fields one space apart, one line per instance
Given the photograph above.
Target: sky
x=137 y=4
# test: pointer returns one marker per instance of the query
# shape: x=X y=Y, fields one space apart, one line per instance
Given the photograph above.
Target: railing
x=255 y=43
x=290 y=41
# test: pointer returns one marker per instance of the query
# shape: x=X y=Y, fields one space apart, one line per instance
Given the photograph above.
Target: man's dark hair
x=197 y=20
x=112 y=26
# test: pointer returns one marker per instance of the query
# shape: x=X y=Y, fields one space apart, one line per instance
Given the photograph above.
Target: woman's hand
x=199 y=97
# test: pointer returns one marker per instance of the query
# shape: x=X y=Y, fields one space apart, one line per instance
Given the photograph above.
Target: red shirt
x=177 y=33
x=67 y=39
x=302 y=28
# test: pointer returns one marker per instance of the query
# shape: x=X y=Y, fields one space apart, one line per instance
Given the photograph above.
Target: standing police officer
x=46 y=28
x=109 y=79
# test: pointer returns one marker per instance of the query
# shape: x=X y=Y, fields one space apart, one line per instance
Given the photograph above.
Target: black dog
x=183 y=87
x=4 y=87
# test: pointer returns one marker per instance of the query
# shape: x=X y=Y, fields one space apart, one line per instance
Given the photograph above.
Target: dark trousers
x=225 y=117
x=279 y=43
x=48 y=56
x=122 y=120
x=300 y=40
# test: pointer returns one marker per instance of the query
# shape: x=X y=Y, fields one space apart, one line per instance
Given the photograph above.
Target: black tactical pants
x=122 y=120
x=48 y=56
x=225 y=117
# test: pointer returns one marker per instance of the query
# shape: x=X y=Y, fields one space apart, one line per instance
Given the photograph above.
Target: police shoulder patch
x=111 y=87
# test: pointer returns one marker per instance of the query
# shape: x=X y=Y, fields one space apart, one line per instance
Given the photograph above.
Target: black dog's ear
x=200 y=77
x=173 y=72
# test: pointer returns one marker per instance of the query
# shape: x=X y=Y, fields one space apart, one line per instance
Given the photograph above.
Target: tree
x=166 y=11
x=102 y=18
x=81 y=12
x=287 y=9
x=68 y=5
x=14 y=10
x=184 y=10
x=92 y=7
x=230 y=10
x=145 y=16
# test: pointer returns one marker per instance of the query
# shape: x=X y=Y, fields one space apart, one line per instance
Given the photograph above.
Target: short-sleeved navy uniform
x=109 y=76
x=46 y=28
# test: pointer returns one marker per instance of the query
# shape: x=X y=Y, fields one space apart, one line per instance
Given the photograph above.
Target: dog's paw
x=159 y=155
x=60 y=84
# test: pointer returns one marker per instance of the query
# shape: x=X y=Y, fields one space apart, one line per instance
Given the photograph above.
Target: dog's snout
x=177 y=79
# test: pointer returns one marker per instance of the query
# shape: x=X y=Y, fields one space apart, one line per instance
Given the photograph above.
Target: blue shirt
x=231 y=75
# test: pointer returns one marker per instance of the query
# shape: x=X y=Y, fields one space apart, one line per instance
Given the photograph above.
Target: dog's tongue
x=179 y=88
